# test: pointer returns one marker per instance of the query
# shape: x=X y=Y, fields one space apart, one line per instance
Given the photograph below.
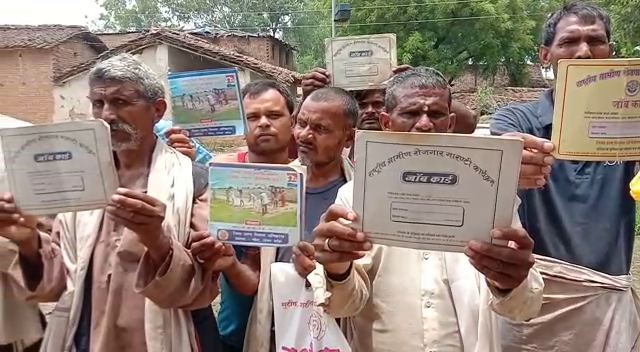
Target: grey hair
x=415 y=78
x=339 y=95
x=128 y=68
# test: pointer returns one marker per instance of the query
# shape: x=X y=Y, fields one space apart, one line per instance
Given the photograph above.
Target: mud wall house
x=164 y=51
x=263 y=47
x=30 y=56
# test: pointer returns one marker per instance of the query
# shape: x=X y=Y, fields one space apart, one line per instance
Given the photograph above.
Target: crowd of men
x=141 y=274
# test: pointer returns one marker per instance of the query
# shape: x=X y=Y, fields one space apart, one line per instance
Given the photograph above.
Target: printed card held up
x=432 y=191
x=59 y=168
x=596 y=114
x=256 y=204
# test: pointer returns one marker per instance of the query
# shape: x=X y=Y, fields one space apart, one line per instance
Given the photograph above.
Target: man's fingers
x=336 y=230
x=182 y=146
x=313 y=77
x=529 y=170
x=171 y=131
x=206 y=245
x=533 y=142
x=336 y=212
x=537 y=158
x=517 y=235
x=502 y=253
x=135 y=205
x=531 y=182
x=498 y=279
x=198 y=236
x=6 y=207
x=129 y=193
x=341 y=245
x=179 y=137
x=127 y=216
x=306 y=249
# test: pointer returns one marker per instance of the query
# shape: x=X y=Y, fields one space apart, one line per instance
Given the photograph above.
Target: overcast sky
x=33 y=12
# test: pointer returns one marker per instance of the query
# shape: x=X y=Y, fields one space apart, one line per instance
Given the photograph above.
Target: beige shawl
x=19 y=320
x=166 y=330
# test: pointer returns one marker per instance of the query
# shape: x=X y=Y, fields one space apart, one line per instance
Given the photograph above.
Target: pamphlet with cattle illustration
x=256 y=204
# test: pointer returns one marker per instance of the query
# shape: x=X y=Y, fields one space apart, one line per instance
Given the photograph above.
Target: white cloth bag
x=301 y=325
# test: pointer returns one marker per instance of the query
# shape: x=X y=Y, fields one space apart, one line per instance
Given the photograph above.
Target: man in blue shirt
x=577 y=212
x=268 y=107
x=164 y=129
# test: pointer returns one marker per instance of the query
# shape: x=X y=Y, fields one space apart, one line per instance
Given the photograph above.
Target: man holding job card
x=444 y=193
x=120 y=271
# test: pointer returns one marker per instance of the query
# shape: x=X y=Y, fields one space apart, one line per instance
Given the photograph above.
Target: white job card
x=432 y=191
x=61 y=167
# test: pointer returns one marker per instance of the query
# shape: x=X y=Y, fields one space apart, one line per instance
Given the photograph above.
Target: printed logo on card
x=632 y=88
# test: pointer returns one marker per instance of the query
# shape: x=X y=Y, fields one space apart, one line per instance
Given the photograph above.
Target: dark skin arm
x=244 y=275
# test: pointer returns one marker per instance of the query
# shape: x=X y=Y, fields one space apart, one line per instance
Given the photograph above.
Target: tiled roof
x=45 y=36
x=192 y=44
x=113 y=40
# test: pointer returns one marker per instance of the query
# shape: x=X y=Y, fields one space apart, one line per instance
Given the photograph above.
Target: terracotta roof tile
x=193 y=44
x=43 y=36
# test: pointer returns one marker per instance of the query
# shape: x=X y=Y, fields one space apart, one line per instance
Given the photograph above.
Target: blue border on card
x=196 y=132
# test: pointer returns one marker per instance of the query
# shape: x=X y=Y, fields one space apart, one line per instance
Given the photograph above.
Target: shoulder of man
x=200 y=175
x=514 y=118
x=345 y=195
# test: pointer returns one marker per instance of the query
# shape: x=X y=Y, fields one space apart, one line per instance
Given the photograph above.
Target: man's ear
x=350 y=138
x=544 y=56
x=452 y=122
x=385 y=121
x=159 y=107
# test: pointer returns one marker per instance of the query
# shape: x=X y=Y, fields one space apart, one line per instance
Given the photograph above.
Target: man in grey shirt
x=580 y=216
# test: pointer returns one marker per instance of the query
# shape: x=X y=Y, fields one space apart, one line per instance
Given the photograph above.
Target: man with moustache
x=122 y=274
x=579 y=213
x=420 y=300
x=323 y=128
x=268 y=106
x=371 y=102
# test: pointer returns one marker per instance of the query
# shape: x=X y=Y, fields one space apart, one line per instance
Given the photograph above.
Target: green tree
x=451 y=35
x=625 y=15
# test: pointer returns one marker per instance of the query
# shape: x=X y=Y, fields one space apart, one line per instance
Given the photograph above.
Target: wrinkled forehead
x=112 y=87
x=574 y=25
x=436 y=97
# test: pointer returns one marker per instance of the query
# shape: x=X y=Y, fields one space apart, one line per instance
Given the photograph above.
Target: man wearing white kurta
x=398 y=299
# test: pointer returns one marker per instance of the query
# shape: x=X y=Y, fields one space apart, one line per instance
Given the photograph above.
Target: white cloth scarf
x=167 y=330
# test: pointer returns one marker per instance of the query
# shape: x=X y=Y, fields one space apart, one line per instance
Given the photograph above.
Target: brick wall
x=25 y=84
x=70 y=53
x=264 y=49
x=468 y=81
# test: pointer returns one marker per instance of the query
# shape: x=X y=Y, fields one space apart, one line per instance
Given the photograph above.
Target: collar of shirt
x=545 y=108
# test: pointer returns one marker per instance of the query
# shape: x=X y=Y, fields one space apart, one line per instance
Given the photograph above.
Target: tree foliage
x=451 y=35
